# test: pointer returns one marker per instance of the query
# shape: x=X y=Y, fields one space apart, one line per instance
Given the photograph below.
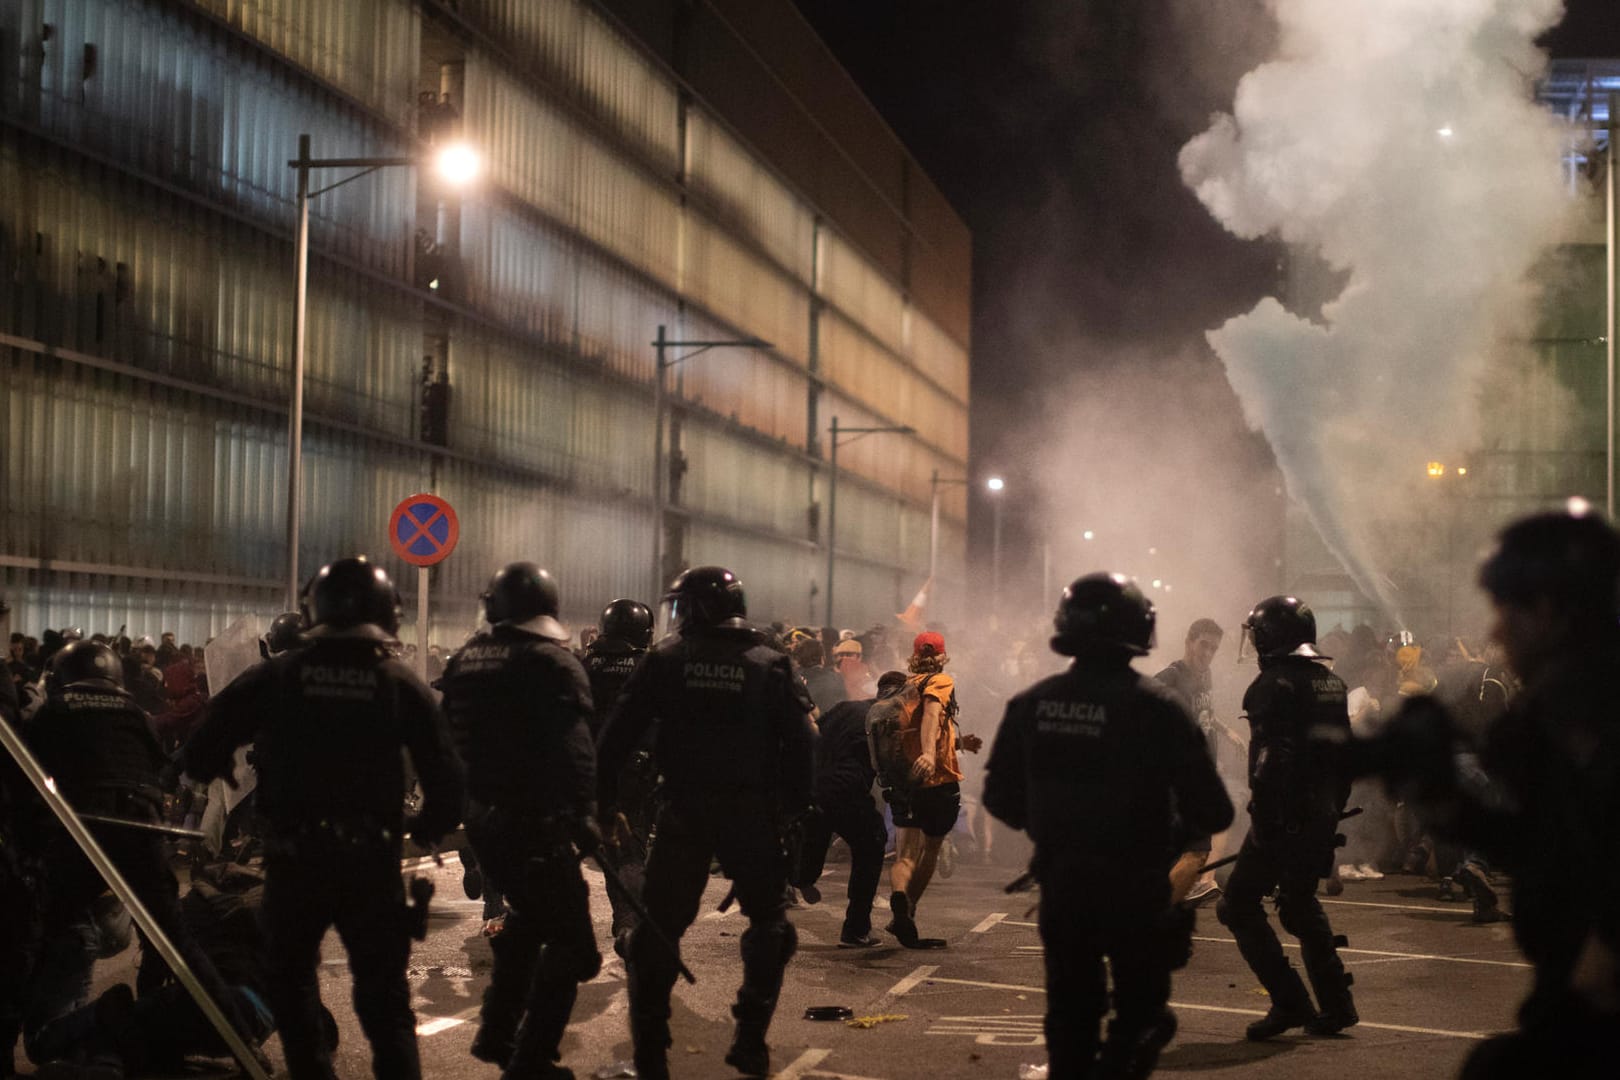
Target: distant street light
x=662 y=364
x=457 y=164
x=1437 y=469
x=832 y=492
x=1088 y=535
x=996 y=485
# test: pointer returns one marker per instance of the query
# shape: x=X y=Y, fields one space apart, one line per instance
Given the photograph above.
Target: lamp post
x=934 y=484
x=662 y=364
x=832 y=492
x=995 y=485
x=457 y=165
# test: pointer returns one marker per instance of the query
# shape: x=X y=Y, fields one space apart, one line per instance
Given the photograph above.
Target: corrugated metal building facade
x=661 y=165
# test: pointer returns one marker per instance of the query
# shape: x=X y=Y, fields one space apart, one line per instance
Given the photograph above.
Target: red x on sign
x=423 y=530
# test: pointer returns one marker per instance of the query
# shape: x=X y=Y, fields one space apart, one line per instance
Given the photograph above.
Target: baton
x=144 y=826
x=635 y=905
x=1230 y=859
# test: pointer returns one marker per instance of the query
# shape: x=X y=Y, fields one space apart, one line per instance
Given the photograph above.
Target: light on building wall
x=1088 y=535
x=1446 y=132
x=1437 y=469
x=995 y=483
x=1462 y=470
x=458 y=164
x=1157 y=584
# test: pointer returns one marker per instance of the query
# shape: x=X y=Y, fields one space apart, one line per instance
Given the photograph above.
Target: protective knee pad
x=1294 y=911
x=775 y=940
x=574 y=961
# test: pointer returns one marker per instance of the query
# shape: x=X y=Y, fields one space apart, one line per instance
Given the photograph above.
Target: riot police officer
x=733 y=743
x=328 y=722
x=519 y=708
x=99 y=746
x=626 y=631
x=1094 y=763
x=1296 y=801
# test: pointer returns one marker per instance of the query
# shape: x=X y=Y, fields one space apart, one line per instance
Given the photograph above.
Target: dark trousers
x=19 y=950
x=743 y=836
x=62 y=977
x=1294 y=876
x=1076 y=938
x=548 y=946
x=861 y=826
x=359 y=891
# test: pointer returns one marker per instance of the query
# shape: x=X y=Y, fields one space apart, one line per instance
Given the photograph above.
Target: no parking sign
x=423 y=530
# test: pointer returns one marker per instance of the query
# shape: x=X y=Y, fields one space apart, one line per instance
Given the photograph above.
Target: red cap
x=928 y=643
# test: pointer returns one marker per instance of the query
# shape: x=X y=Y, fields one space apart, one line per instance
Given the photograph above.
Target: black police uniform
x=19 y=892
x=1296 y=800
x=733 y=744
x=1090 y=763
x=609 y=662
x=844 y=779
x=328 y=723
x=99 y=746
x=519 y=709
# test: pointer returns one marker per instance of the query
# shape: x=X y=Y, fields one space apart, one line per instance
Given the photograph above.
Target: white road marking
x=1405 y=1029
x=994 y=1030
x=1394 y=955
x=989 y=921
x=904 y=986
x=1458 y=911
x=435 y=1024
x=805 y=1066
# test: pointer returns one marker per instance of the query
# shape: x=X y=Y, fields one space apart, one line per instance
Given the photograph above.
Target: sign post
x=423 y=531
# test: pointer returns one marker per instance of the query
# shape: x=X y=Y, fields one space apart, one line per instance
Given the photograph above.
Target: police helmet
x=84 y=661
x=1103 y=612
x=1572 y=559
x=1282 y=626
x=705 y=597
x=519 y=591
x=285 y=632
x=629 y=621
x=353 y=591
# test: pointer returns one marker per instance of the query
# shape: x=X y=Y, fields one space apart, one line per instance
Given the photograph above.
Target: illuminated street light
x=1157 y=584
x=1088 y=535
x=995 y=483
x=1437 y=469
x=1446 y=132
x=1462 y=470
x=458 y=164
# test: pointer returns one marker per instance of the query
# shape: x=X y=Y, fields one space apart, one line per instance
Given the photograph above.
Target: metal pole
x=832 y=515
x=658 y=467
x=295 y=413
x=46 y=787
x=995 y=562
x=421 y=622
x=933 y=528
x=1612 y=236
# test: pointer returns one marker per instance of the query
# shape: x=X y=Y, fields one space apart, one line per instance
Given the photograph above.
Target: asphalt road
x=1429 y=984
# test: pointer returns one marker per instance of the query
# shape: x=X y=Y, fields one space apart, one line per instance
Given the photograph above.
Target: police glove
x=586 y=834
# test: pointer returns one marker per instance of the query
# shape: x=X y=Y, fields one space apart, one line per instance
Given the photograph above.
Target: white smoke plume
x=1397 y=141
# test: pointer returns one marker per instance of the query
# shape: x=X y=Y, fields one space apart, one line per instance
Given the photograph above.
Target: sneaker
x=1351 y=872
x=1202 y=892
x=1474 y=882
x=901 y=925
x=947 y=858
x=1369 y=872
x=861 y=941
x=1279 y=1020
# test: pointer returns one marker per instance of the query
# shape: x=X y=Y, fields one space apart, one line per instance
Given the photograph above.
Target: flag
x=912 y=616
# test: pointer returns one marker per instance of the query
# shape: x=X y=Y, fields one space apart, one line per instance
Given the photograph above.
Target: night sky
x=1053 y=127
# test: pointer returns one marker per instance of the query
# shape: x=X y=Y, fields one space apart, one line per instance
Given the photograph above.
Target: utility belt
x=360 y=835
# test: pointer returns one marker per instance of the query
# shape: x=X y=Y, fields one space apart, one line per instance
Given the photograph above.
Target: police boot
x=535 y=1055
x=1132 y=1055
x=1338 y=1007
x=748 y=1054
x=650 y=1037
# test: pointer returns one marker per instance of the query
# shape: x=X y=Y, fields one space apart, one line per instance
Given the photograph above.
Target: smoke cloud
x=1398 y=143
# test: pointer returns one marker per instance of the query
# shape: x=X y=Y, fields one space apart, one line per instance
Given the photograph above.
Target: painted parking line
x=903 y=987
x=1404 y=1029
x=994 y=1030
x=433 y=1025
x=989 y=921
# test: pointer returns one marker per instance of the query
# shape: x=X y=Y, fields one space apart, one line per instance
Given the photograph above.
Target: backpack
x=886 y=724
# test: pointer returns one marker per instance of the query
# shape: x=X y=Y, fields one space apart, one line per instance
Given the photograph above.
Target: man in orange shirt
x=924 y=816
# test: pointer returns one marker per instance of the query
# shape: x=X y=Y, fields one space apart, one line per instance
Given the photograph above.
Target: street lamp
x=832 y=492
x=661 y=365
x=456 y=164
x=995 y=485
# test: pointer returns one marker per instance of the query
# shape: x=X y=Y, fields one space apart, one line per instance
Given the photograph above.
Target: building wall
x=145 y=336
